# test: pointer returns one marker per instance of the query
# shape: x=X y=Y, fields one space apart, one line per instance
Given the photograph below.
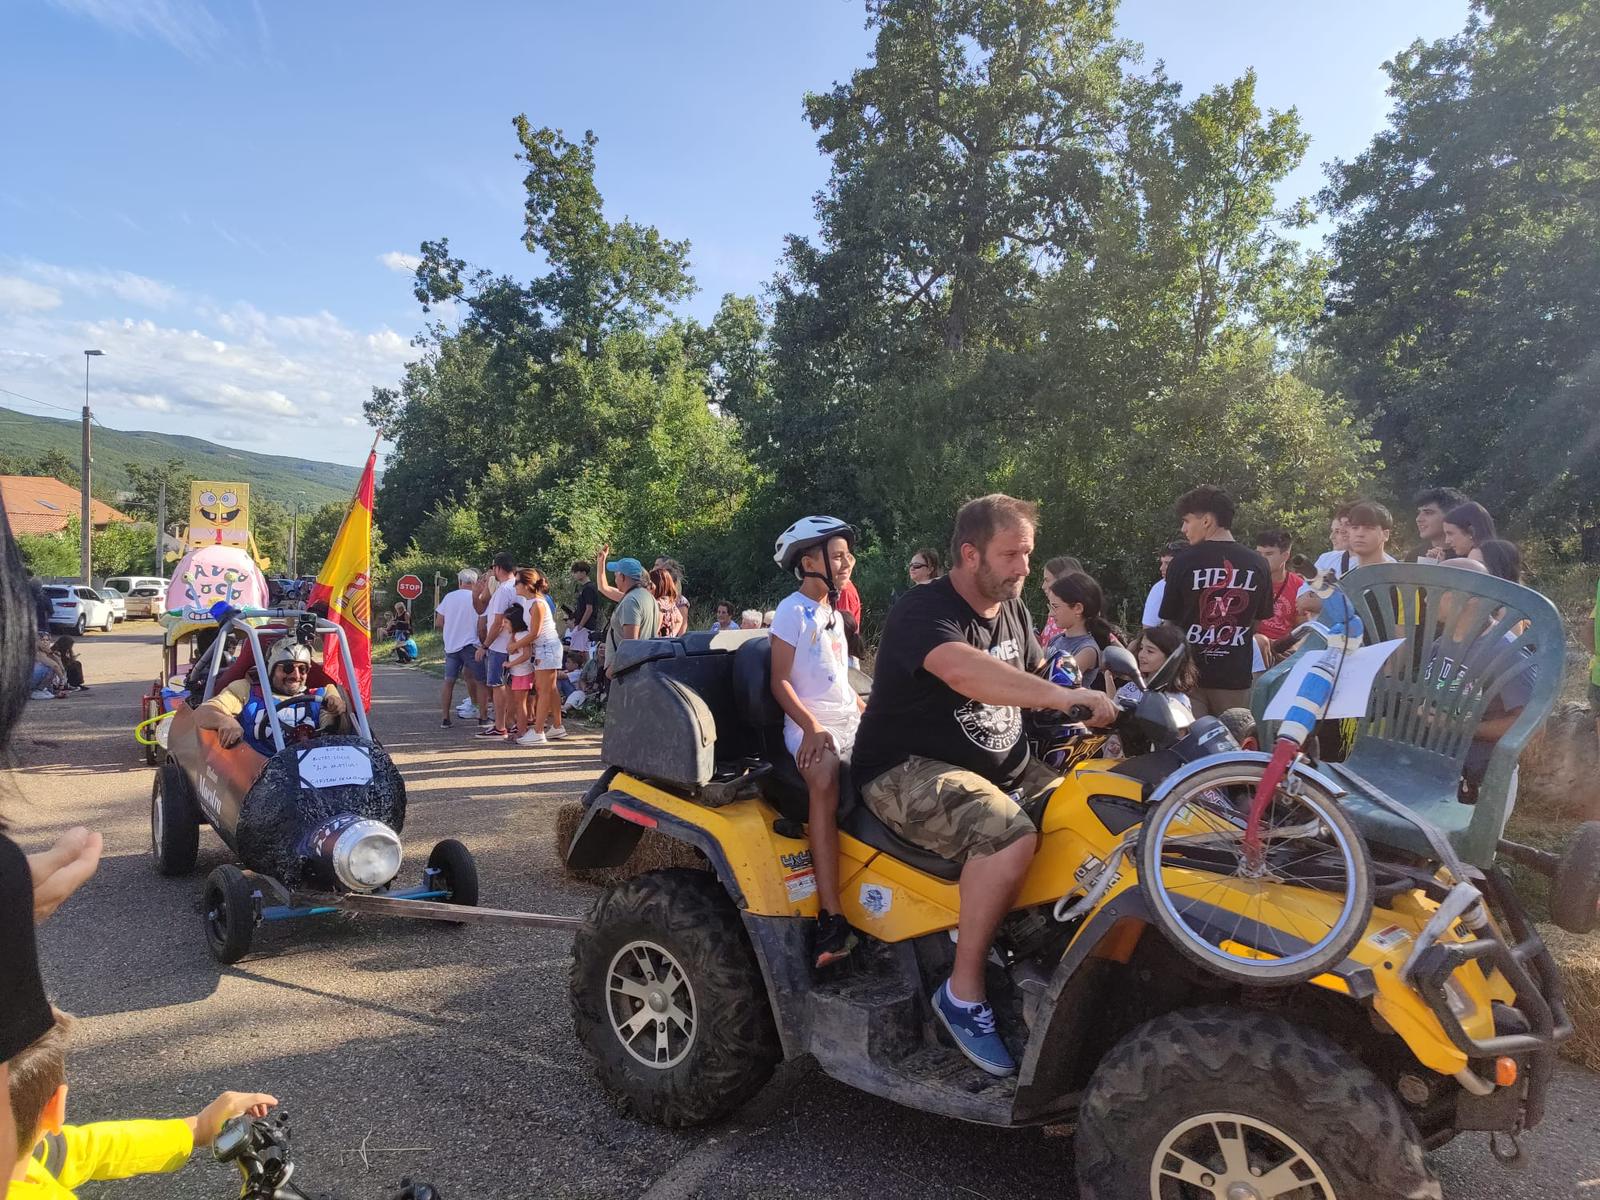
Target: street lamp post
x=84 y=563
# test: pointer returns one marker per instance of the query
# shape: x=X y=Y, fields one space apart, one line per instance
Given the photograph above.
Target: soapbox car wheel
x=174 y=821
x=230 y=912
x=667 y=997
x=1220 y=1103
x=1575 y=890
x=152 y=749
x=455 y=872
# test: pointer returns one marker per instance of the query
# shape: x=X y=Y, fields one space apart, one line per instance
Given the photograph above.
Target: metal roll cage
x=240 y=618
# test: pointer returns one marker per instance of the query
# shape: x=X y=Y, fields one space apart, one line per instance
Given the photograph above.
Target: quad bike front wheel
x=1219 y=1104
x=667 y=997
x=1273 y=918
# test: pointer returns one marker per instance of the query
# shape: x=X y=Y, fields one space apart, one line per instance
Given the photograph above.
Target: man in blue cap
x=637 y=615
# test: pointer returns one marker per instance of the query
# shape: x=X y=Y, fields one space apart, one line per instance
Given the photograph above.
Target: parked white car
x=78 y=608
x=119 y=605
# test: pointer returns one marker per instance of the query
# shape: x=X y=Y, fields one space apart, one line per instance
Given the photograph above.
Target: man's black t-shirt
x=912 y=712
x=24 y=1013
x=1216 y=592
x=589 y=597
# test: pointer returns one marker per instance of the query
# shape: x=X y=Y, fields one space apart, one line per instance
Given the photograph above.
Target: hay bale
x=1579 y=960
x=652 y=853
x=1561 y=768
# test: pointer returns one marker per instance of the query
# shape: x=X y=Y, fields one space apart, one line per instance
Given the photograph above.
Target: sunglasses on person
x=295 y=668
x=917 y=565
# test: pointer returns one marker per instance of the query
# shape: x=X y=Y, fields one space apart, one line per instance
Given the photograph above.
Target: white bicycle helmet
x=806 y=533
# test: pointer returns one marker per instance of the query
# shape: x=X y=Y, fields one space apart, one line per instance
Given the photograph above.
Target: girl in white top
x=532 y=588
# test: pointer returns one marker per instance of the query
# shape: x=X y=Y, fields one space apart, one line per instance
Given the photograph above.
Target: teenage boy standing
x=1275 y=545
x=1216 y=592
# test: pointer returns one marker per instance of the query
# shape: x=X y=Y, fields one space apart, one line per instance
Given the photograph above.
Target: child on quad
x=55 y=1157
x=811 y=682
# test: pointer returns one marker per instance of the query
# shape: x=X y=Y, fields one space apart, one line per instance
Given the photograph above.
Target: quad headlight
x=366 y=855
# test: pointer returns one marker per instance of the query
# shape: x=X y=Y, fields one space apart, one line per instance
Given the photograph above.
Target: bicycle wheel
x=1276 y=918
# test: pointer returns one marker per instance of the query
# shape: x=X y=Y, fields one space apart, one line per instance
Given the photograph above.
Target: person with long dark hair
x=31 y=886
x=1077 y=606
x=1466 y=527
x=1502 y=558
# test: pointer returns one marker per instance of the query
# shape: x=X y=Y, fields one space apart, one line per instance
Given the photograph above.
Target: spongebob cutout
x=212 y=573
x=219 y=514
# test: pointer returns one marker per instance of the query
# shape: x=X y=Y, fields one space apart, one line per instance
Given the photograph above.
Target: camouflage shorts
x=956 y=814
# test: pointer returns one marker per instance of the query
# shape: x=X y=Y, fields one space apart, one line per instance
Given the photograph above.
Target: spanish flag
x=344 y=585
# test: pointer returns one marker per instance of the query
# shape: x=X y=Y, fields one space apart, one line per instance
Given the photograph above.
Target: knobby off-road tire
x=174 y=821
x=682 y=917
x=1264 y=1074
x=1575 y=890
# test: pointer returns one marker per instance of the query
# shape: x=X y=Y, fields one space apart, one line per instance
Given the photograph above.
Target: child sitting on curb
x=56 y=1157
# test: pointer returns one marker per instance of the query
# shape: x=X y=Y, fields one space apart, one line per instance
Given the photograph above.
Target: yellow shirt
x=104 y=1150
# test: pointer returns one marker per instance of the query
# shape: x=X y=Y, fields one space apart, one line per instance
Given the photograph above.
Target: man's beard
x=995 y=587
x=290 y=686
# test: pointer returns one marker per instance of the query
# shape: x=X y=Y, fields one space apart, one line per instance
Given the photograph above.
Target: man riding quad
x=940 y=757
x=239 y=711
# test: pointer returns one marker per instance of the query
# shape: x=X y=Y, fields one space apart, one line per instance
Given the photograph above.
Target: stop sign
x=408 y=587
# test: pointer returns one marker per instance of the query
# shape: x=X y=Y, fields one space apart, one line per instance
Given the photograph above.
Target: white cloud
x=19 y=294
x=400 y=262
x=277 y=382
x=104 y=284
x=185 y=25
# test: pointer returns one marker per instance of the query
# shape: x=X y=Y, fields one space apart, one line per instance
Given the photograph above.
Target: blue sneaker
x=973 y=1030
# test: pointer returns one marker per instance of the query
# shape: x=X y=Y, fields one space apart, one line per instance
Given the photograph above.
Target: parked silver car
x=119 y=606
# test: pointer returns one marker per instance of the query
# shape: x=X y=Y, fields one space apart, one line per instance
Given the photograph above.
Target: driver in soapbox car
x=239 y=711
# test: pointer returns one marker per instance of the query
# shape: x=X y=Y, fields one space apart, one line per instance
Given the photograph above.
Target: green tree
x=1465 y=300
x=58 y=464
x=145 y=484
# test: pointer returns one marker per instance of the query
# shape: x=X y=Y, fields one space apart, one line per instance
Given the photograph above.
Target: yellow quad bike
x=1186 y=1078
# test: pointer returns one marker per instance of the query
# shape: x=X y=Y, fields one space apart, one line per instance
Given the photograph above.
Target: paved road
x=448 y=1053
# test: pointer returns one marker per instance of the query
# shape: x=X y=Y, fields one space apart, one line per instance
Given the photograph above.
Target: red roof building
x=39 y=504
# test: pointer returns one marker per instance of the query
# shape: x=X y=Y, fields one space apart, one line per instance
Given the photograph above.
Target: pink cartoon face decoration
x=214 y=573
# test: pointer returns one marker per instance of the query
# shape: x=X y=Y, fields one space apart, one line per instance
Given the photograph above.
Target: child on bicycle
x=55 y=1157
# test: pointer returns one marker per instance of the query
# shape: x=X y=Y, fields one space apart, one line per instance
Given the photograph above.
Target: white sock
x=969 y=1005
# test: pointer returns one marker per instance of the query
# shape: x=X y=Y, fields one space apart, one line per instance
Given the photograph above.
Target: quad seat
x=785 y=788
x=1465 y=637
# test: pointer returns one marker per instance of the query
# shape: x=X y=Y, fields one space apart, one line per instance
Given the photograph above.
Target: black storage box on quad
x=670 y=714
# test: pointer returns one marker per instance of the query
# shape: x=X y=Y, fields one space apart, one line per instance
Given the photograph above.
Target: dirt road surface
x=410 y=1048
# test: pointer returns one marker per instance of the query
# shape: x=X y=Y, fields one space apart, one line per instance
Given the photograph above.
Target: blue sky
x=222 y=196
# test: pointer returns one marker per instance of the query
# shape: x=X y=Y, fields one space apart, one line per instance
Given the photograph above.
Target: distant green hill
x=274 y=476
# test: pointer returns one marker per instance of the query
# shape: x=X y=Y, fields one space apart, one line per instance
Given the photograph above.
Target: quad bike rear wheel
x=1217 y=1104
x=668 y=998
